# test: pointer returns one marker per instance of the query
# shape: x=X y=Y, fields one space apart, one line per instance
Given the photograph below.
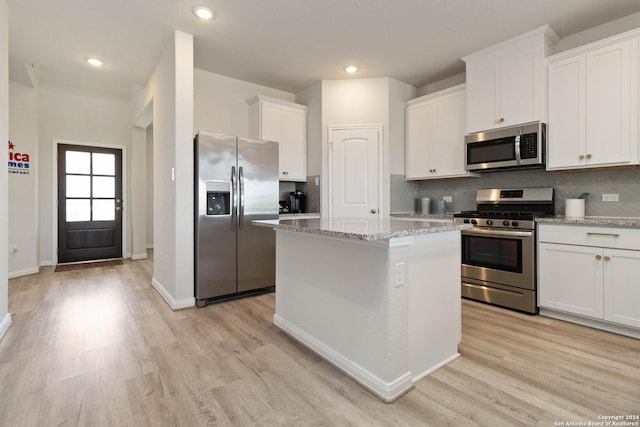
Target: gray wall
x=567 y=184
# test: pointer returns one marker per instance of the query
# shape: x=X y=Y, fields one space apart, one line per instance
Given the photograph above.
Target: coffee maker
x=297 y=201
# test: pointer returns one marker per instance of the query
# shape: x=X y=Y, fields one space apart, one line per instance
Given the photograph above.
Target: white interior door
x=354 y=160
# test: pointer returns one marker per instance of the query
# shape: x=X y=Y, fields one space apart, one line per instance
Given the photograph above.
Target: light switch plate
x=610 y=197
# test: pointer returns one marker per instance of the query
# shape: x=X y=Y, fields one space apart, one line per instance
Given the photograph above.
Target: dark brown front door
x=89 y=203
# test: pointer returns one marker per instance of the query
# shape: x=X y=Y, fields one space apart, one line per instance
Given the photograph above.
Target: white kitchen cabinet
x=285 y=122
x=571 y=279
x=435 y=129
x=592 y=109
x=622 y=287
x=506 y=83
x=591 y=272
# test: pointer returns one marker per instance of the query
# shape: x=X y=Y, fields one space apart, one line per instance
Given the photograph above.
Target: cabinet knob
x=598 y=257
x=588 y=156
x=497 y=121
x=581 y=156
x=501 y=119
x=607 y=258
x=374 y=211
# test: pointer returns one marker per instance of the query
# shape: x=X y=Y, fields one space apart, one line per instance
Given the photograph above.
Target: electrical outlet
x=317 y=181
x=399 y=274
x=448 y=199
x=610 y=197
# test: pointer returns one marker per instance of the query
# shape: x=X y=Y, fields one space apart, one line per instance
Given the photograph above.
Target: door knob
x=374 y=211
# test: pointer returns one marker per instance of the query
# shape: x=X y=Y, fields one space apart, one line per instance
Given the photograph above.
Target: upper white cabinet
x=435 y=129
x=506 y=83
x=285 y=122
x=593 y=105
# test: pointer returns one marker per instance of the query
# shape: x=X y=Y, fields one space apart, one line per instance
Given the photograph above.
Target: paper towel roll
x=425 y=205
x=574 y=208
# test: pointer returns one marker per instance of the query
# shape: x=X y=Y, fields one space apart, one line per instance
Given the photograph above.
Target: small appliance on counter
x=284 y=206
x=297 y=201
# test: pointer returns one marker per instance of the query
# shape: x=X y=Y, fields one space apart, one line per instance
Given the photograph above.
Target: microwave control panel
x=529 y=146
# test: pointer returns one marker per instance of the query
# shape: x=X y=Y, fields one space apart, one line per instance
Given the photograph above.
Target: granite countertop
x=423 y=216
x=300 y=215
x=605 y=221
x=361 y=229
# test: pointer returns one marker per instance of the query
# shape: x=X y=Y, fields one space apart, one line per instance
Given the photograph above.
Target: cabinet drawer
x=604 y=237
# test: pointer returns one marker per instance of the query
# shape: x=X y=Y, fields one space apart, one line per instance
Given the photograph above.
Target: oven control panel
x=497 y=223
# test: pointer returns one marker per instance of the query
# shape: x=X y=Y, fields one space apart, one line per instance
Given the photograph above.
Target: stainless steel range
x=499 y=252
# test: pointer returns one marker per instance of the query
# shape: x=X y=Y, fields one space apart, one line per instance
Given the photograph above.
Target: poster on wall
x=19 y=162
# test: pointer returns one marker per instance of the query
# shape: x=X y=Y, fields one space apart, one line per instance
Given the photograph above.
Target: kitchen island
x=380 y=299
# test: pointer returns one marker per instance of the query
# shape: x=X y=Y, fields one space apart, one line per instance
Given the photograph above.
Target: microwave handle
x=517 y=149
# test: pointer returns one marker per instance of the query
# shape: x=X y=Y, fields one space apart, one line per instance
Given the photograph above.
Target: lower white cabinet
x=571 y=279
x=590 y=271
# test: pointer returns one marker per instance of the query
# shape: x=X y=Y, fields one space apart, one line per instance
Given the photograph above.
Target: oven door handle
x=496 y=233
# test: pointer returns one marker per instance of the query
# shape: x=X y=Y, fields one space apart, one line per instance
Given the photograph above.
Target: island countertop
x=362 y=229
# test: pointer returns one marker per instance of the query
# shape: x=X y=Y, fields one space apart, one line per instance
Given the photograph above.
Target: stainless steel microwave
x=518 y=147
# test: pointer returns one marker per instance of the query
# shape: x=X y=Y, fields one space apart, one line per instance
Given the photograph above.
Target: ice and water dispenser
x=218 y=197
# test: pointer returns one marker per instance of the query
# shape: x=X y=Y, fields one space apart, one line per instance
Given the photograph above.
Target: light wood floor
x=100 y=347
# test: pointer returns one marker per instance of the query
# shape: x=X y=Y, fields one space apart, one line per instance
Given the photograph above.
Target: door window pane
x=104 y=186
x=78 y=210
x=104 y=210
x=104 y=164
x=78 y=162
x=78 y=186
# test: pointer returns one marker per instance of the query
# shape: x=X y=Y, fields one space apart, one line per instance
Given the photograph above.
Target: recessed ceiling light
x=204 y=12
x=95 y=62
x=351 y=69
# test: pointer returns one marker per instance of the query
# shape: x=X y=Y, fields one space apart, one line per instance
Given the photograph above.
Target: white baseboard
x=173 y=303
x=5 y=324
x=23 y=272
x=135 y=257
x=592 y=323
x=435 y=368
x=387 y=391
x=47 y=263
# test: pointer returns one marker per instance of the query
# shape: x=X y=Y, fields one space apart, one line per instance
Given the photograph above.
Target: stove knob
x=514 y=223
x=474 y=222
x=466 y=221
x=505 y=223
x=489 y=222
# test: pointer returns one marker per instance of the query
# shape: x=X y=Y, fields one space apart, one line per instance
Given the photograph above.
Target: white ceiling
x=284 y=44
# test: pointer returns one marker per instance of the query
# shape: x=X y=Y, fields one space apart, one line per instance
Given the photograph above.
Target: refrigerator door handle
x=241 y=198
x=234 y=191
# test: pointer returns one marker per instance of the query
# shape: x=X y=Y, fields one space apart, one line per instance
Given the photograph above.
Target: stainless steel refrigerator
x=236 y=182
